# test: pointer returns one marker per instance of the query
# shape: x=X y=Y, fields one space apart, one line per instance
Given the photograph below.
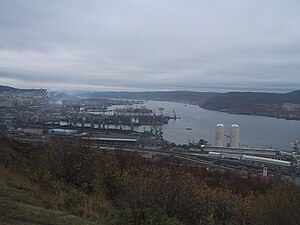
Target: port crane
x=161 y=109
x=228 y=139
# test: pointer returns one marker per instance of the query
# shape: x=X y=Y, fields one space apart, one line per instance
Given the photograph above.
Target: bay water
x=196 y=123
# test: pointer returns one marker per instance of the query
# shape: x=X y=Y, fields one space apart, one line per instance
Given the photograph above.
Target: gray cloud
x=150 y=44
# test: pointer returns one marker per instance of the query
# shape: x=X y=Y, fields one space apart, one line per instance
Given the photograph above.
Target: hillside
x=65 y=182
x=286 y=105
x=211 y=100
x=21 y=204
x=23 y=201
x=29 y=194
x=12 y=89
x=6 y=89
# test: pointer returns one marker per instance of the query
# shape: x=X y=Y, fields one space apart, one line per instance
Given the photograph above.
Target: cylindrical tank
x=219 y=135
x=234 y=135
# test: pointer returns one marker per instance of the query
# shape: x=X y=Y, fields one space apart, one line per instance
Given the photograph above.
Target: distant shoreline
x=252 y=114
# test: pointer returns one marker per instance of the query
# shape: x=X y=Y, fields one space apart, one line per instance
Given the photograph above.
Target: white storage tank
x=234 y=136
x=219 y=135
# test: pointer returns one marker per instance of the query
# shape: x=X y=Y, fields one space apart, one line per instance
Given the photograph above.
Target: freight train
x=250 y=158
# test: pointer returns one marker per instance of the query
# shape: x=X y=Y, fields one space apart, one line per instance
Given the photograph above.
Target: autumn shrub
x=147 y=216
x=71 y=177
x=101 y=205
x=279 y=206
x=85 y=168
x=17 y=180
x=8 y=156
x=179 y=194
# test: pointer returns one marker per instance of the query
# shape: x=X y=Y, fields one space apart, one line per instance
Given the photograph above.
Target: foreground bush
x=148 y=216
x=70 y=177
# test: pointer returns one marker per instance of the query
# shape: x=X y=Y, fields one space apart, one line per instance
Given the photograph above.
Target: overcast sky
x=151 y=44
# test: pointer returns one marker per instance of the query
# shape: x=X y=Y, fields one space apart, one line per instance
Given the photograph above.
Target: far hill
x=7 y=89
x=285 y=105
x=176 y=96
x=12 y=89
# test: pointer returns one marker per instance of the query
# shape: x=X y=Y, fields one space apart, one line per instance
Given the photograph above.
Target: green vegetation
x=64 y=182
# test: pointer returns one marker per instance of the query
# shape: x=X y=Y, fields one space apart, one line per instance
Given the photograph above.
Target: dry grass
x=23 y=202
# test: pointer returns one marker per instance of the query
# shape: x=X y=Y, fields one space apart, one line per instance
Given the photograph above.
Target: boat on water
x=188 y=128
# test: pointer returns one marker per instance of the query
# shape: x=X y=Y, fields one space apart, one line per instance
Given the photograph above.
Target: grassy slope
x=20 y=204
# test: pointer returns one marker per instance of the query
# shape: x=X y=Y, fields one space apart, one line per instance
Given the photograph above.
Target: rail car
x=250 y=158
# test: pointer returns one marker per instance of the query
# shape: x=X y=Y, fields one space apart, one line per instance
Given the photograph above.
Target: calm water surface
x=255 y=131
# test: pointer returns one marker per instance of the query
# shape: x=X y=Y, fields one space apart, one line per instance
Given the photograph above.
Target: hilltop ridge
x=12 y=89
x=285 y=105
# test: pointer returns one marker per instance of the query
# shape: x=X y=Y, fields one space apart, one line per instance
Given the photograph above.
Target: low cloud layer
x=150 y=44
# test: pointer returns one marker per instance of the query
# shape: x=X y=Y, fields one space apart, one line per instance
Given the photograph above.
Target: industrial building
x=33 y=131
x=66 y=132
x=234 y=135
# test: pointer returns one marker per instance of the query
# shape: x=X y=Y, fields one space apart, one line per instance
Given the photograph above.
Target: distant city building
x=290 y=106
x=33 y=131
